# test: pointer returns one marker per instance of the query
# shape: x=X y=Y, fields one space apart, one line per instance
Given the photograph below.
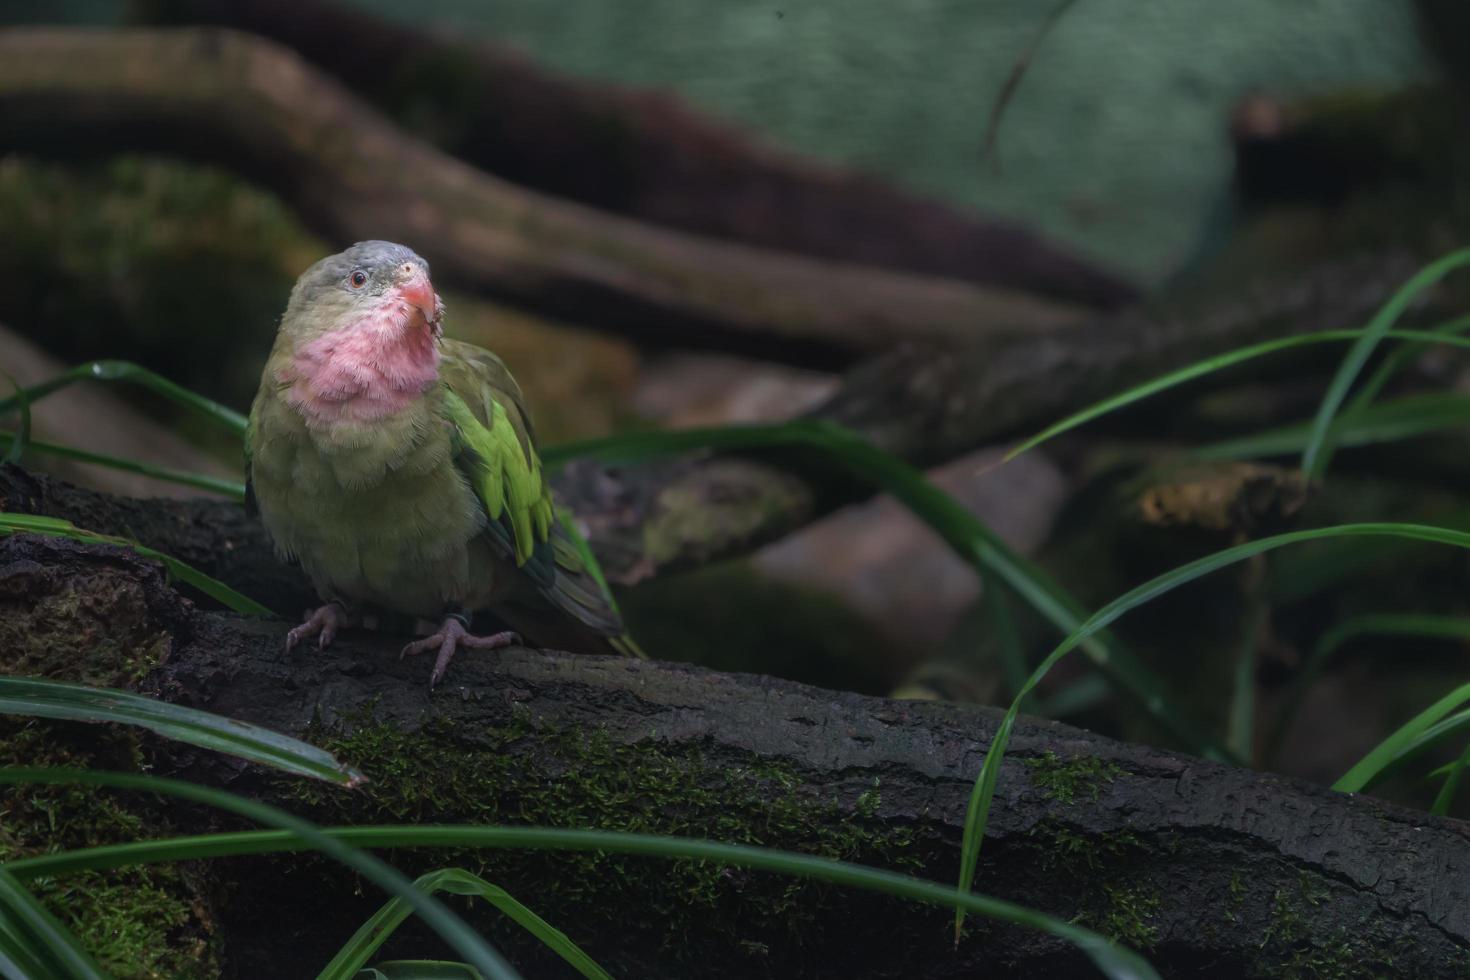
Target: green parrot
x=400 y=469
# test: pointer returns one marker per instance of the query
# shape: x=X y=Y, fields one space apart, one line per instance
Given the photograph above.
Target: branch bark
x=924 y=406
x=229 y=97
x=1218 y=872
x=657 y=159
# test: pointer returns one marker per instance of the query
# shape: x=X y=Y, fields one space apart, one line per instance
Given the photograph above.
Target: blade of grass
x=33 y=945
x=376 y=930
x=450 y=927
x=969 y=538
x=1389 y=421
x=1240 y=729
x=21 y=441
x=1376 y=624
x=1318 y=452
x=75 y=702
x=129 y=373
x=203 y=481
x=419 y=970
x=1386 y=753
x=212 y=587
x=1219 y=362
x=1395 y=362
x=1445 y=798
x=978 y=812
x=1115 y=961
x=996 y=606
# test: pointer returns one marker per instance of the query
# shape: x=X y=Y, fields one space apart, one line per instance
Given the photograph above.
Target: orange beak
x=417 y=291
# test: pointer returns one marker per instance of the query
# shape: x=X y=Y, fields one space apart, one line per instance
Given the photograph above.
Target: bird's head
x=375 y=286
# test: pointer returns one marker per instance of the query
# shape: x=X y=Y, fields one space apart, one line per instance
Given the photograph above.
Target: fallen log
x=656 y=158
x=1213 y=871
x=249 y=104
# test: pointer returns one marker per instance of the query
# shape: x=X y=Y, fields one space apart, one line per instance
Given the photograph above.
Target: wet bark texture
x=1217 y=872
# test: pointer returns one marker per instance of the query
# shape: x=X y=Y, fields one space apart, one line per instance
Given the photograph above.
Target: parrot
x=399 y=468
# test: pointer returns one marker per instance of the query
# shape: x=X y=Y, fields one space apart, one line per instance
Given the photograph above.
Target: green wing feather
x=496 y=450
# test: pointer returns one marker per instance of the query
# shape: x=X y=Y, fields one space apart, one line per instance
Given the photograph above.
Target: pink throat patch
x=368 y=371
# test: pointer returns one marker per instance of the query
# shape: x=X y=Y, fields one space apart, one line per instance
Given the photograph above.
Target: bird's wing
x=496 y=450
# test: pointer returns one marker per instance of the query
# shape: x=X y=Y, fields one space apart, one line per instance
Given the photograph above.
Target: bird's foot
x=322 y=623
x=453 y=635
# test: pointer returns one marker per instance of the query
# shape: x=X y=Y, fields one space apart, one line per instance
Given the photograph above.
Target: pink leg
x=452 y=636
x=323 y=623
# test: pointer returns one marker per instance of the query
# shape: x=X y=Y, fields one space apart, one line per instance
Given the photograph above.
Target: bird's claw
x=322 y=623
x=453 y=635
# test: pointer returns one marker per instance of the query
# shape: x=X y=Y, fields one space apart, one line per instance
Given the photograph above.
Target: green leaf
x=127 y=372
x=970 y=539
x=1389 y=421
x=450 y=927
x=1115 y=961
x=978 y=812
x=212 y=587
x=33 y=945
x=1375 y=624
x=1445 y=798
x=1405 y=741
x=1318 y=452
x=418 y=970
x=75 y=702
x=203 y=481
x=376 y=930
x=20 y=442
x=1211 y=365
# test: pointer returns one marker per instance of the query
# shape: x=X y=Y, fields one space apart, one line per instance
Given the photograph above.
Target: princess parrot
x=400 y=469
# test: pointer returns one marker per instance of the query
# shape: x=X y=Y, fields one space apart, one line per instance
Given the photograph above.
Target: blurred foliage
x=183 y=268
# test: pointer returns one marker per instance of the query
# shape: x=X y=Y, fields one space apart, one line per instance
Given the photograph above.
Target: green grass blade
x=127 y=372
x=969 y=538
x=419 y=970
x=1241 y=723
x=978 y=812
x=21 y=441
x=33 y=945
x=1389 y=752
x=1318 y=452
x=376 y=930
x=1445 y=798
x=996 y=607
x=1115 y=961
x=75 y=702
x=1212 y=365
x=203 y=481
x=1395 y=362
x=1375 y=624
x=1389 y=421
x=212 y=587
x=450 y=927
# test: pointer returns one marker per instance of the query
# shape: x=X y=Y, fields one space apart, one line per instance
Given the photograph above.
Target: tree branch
x=1217 y=871
x=657 y=159
x=229 y=97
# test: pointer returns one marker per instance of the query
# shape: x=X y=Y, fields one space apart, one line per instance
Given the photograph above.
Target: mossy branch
x=1254 y=874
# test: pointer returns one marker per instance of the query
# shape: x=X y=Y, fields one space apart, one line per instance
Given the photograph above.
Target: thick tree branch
x=256 y=107
x=1218 y=872
x=923 y=406
x=656 y=159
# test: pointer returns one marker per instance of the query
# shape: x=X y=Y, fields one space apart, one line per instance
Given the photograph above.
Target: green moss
x=1290 y=951
x=1124 y=914
x=1067 y=780
x=576 y=778
x=146 y=923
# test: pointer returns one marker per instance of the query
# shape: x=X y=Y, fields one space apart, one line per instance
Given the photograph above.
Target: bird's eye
x=358 y=279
